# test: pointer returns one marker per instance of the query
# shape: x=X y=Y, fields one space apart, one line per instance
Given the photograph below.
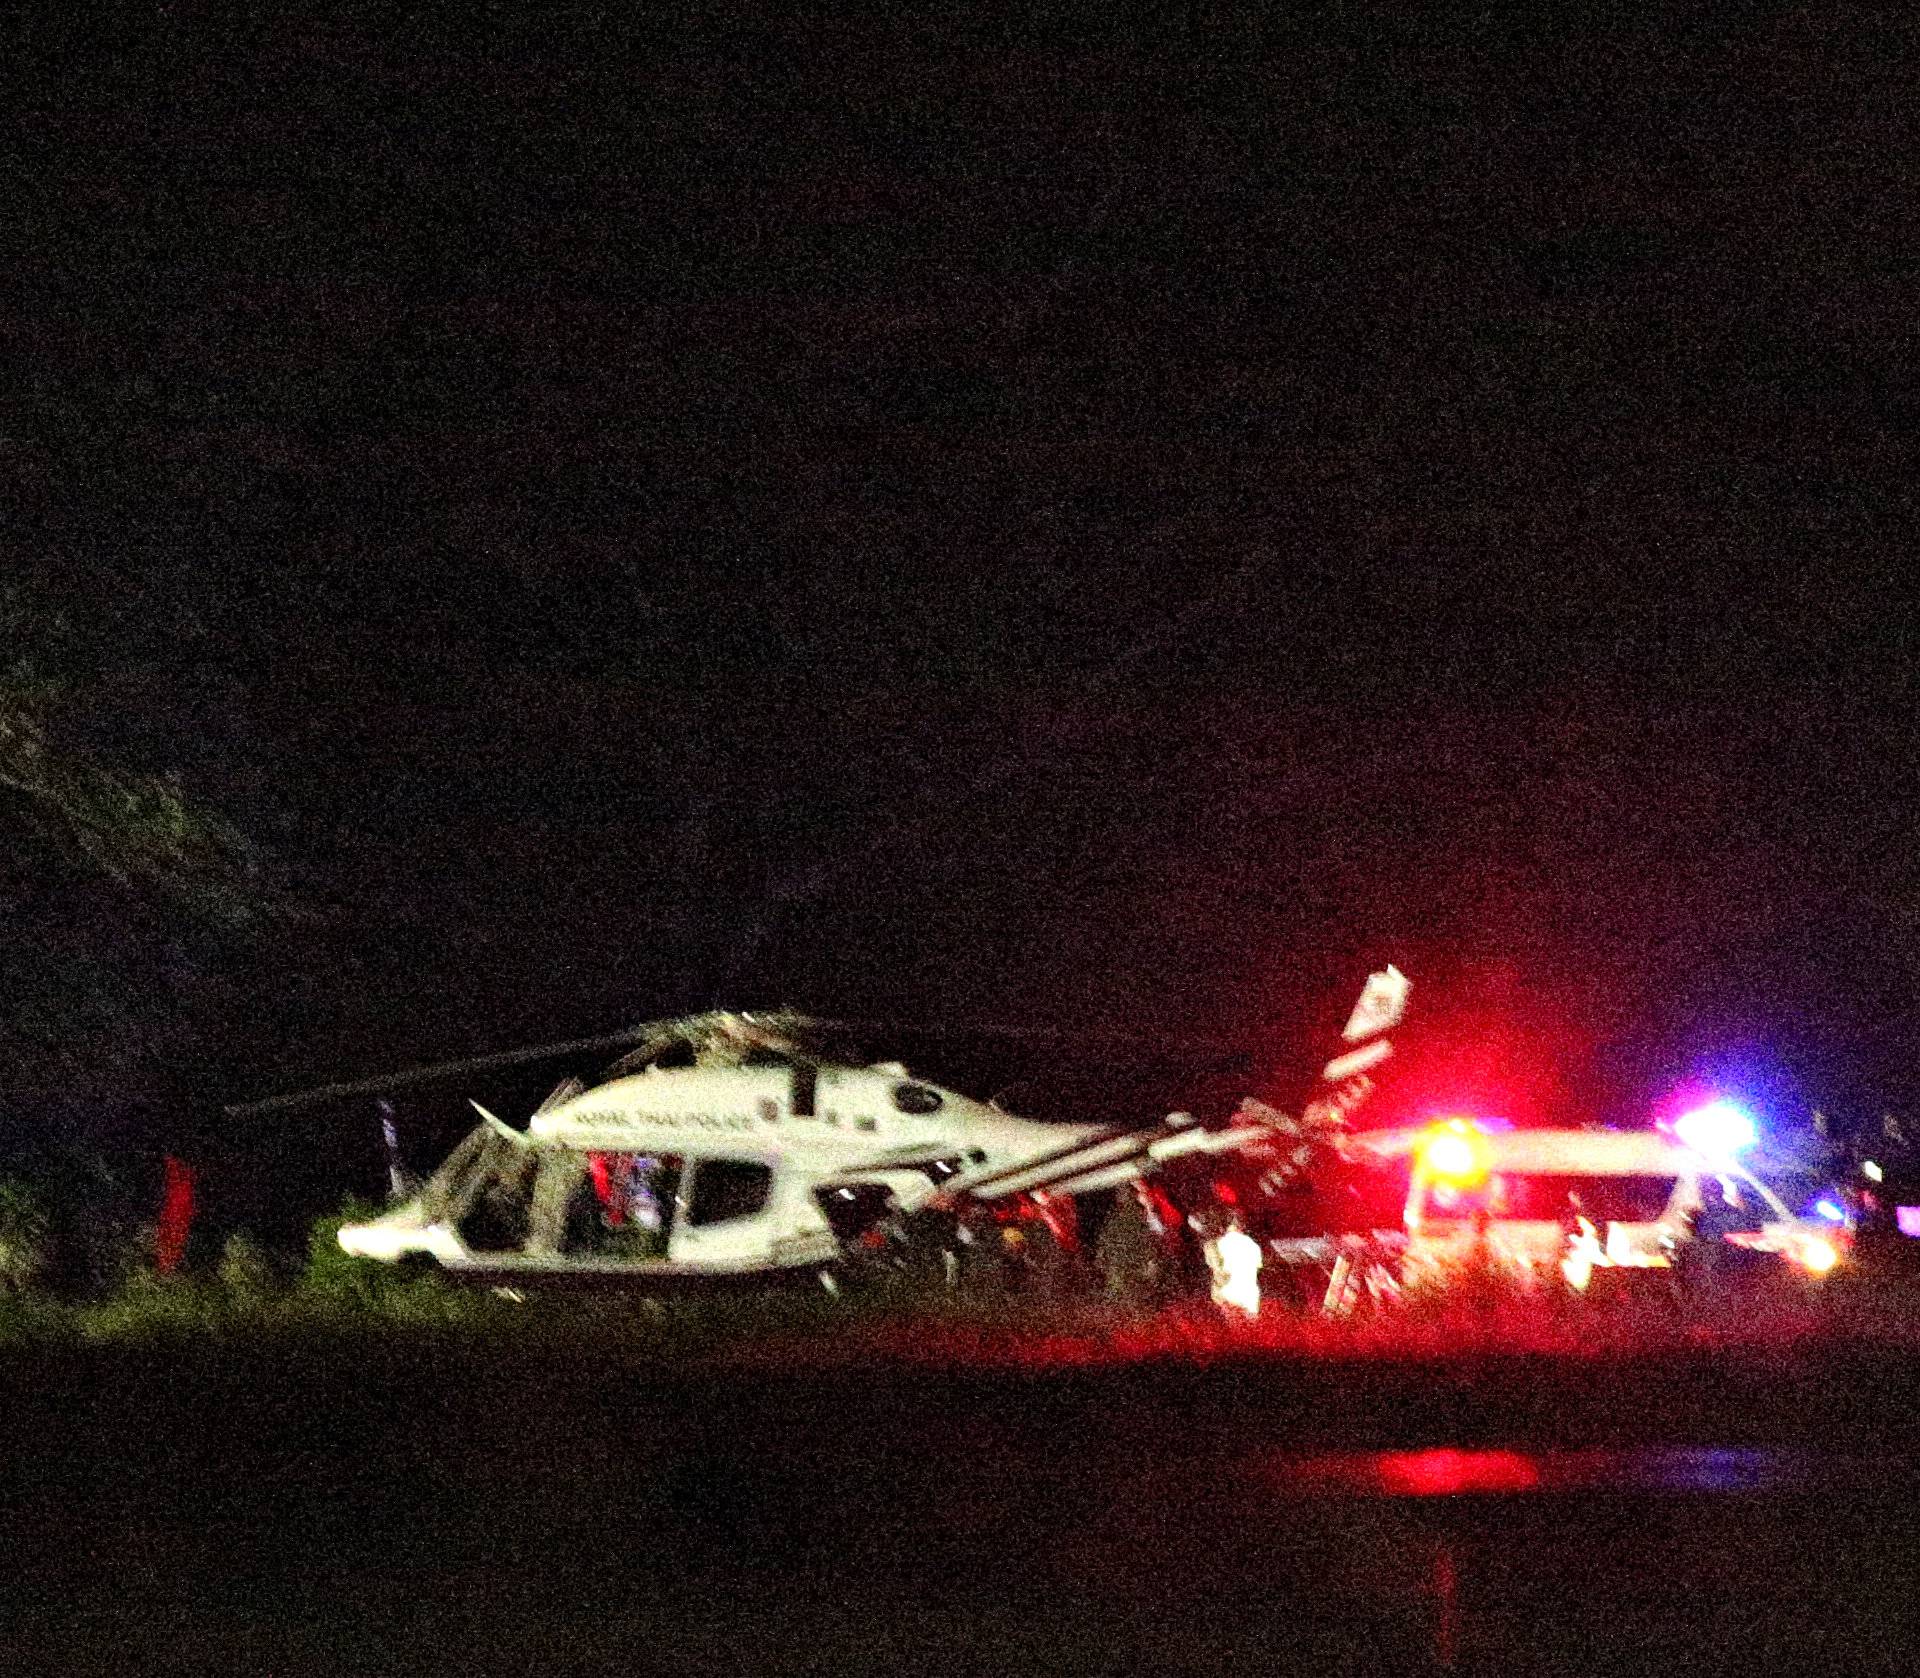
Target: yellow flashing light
x=1819 y=1256
x=1454 y=1152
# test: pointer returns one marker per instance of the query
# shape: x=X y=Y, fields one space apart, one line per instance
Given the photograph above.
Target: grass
x=884 y=1326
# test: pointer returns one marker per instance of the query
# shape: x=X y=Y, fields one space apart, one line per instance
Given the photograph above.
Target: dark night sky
x=952 y=525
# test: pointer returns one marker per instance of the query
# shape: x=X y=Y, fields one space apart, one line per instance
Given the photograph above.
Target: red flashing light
x=1454 y=1153
x=1450 y=1156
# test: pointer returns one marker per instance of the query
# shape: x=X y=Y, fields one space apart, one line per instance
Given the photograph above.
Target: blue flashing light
x=1719 y=1129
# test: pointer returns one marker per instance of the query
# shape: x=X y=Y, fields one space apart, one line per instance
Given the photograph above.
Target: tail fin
x=1345 y=1080
x=400 y=1181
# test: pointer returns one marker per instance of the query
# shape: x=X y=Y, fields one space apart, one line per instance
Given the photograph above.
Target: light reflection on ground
x=1448 y=1472
x=1025 y=1335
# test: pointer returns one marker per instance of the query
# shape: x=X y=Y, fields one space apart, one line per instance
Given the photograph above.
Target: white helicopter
x=725 y=1148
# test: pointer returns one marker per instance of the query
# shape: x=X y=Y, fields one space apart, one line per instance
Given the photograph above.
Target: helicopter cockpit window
x=762 y=1055
x=667 y=1057
x=724 y=1189
x=495 y=1219
x=916 y=1099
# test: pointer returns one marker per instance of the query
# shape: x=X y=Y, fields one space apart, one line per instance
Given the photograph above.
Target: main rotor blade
x=1119 y=1048
x=1118 y=1045
x=415 y=1075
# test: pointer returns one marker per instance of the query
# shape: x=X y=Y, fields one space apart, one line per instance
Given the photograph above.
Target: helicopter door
x=724 y=1213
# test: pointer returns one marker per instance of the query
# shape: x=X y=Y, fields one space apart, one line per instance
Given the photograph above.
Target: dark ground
x=354 y=1501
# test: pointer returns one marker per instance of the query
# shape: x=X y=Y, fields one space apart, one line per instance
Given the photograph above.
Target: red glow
x=1445 y=1473
x=1503 y=1037
x=1168 y=1215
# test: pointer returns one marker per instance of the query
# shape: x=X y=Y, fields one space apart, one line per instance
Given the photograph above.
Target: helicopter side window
x=916 y=1099
x=725 y=1189
x=621 y=1206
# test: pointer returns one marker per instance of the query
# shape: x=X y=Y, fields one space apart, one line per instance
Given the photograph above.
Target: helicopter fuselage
x=686 y=1174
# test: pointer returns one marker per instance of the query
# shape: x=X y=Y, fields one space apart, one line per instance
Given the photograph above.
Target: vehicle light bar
x=1718 y=1130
